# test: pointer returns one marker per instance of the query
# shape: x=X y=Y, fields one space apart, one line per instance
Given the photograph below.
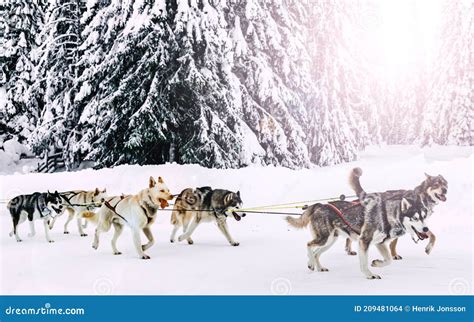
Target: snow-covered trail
x=271 y=258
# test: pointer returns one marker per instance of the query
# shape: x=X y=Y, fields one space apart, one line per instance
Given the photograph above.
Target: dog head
x=436 y=187
x=53 y=201
x=413 y=219
x=159 y=192
x=233 y=200
x=99 y=195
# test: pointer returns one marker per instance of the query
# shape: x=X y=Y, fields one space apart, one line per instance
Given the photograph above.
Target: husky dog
x=383 y=220
x=76 y=203
x=428 y=194
x=136 y=211
x=32 y=207
x=194 y=206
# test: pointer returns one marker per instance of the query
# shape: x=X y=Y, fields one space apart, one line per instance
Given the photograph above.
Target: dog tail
x=354 y=182
x=300 y=222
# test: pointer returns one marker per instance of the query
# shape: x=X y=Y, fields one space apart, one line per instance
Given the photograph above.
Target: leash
x=297 y=205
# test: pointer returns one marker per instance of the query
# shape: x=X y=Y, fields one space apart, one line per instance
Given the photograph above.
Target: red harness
x=341 y=215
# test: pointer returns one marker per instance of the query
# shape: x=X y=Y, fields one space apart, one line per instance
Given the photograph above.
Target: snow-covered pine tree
x=449 y=110
x=23 y=22
x=55 y=60
x=201 y=94
x=336 y=131
x=122 y=97
x=272 y=76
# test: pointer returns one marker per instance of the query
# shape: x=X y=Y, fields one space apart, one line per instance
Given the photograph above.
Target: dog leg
x=15 y=229
x=393 y=250
x=192 y=226
x=79 y=226
x=32 y=229
x=95 y=243
x=313 y=250
x=138 y=244
x=387 y=259
x=348 y=248
x=69 y=218
x=173 y=233
x=222 y=225
x=430 y=245
x=52 y=222
x=185 y=229
x=46 y=231
x=319 y=251
x=117 y=233
x=364 y=260
x=149 y=235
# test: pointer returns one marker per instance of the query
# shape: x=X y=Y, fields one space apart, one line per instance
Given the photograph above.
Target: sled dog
x=384 y=218
x=138 y=212
x=45 y=206
x=77 y=202
x=428 y=194
x=204 y=204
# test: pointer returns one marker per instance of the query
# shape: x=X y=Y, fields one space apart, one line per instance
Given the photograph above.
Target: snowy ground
x=271 y=258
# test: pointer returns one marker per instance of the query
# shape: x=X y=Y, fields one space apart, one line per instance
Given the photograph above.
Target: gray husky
x=45 y=206
x=432 y=190
x=194 y=206
x=385 y=218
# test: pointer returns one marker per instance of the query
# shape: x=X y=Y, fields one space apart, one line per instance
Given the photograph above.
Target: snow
x=271 y=258
x=10 y=155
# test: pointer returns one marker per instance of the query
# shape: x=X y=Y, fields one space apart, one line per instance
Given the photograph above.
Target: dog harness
x=341 y=215
x=114 y=208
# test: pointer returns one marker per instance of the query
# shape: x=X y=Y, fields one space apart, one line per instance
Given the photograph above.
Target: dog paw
x=145 y=257
x=190 y=241
x=235 y=244
x=66 y=232
x=351 y=253
x=377 y=263
x=95 y=247
x=50 y=241
x=19 y=240
x=180 y=238
x=172 y=240
x=83 y=235
x=323 y=269
x=311 y=266
x=373 y=277
x=117 y=253
x=397 y=257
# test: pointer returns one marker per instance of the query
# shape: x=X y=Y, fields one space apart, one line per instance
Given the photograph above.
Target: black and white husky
x=45 y=206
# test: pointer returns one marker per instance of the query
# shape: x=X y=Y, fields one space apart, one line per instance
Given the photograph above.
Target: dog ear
x=96 y=192
x=152 y=182
x=238 y=193
x=427 y=176
x=49 y=193
x=160 y=180
x=105 y=190
x=405 y=205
